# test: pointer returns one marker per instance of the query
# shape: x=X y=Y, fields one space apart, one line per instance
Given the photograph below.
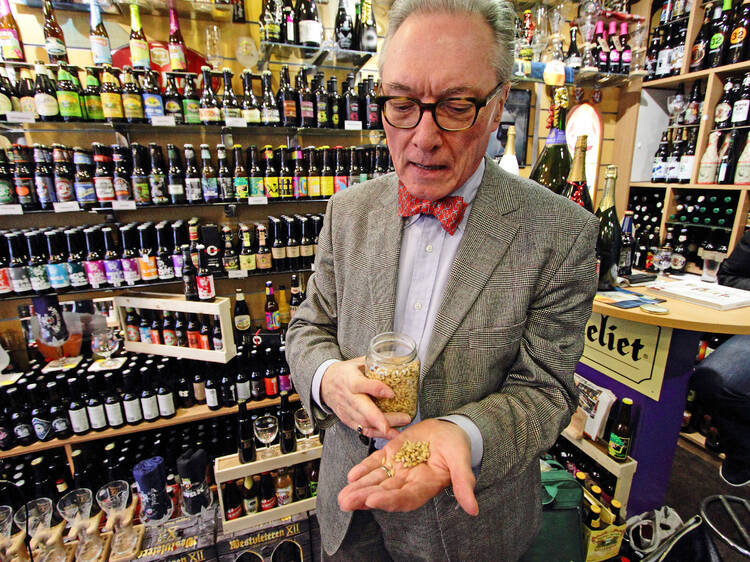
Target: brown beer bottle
x=11 y=43
x=54 y=40
x=273 y=322
x=622 y=433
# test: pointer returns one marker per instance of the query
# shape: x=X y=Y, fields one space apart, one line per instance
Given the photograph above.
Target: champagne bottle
x=508 y=162
x=139 y=53
x=98 y=37
x=699 y=52
x=368 y=31
x=610 y=235
x=552 y=168
x=344 y=28
x=54 y=40
x=308 y=21
x=576 y=188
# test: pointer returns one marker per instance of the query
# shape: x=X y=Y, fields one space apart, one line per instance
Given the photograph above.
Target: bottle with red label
x=193 y=331
x=132 y=321
x=5 y=284
x=267 y=492
x=349 y=100
x=271 y=375
x=204 y=279
x=103 y=173
x=168 y=333
x=286 y=100
x=370 y=109
x=232 y=501
x=156 y=335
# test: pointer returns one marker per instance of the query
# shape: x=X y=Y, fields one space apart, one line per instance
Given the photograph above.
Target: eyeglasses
x=449 y=114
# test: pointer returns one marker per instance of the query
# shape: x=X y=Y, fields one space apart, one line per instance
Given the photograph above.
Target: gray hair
x=499 y=15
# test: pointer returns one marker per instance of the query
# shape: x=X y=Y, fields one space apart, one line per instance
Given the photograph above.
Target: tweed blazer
x=506 y=341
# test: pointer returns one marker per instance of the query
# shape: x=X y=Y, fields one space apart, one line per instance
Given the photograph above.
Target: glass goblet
x=266 y=429
x=663 y=259
x=34 y=517
x=113 y=499
x=105 y=342
x=304 y=425
x=6 y=522
x=75 y=507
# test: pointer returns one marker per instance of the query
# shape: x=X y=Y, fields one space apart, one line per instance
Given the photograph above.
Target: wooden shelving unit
x=672 y=81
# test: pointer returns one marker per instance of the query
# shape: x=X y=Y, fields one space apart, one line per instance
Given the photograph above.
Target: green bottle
x=91 y=96
x=67 y=96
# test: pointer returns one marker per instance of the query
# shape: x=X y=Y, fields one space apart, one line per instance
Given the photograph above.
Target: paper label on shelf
x=235 y=122
x=11 y=209
x=236 y=274
x=20 y=117
x=632 y=353
x=123 y=205
x=66 y=206
x=352 y=125
x=162 y=120
x=257 y=200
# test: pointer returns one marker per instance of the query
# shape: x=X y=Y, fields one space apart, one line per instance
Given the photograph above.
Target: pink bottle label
x=95 y=273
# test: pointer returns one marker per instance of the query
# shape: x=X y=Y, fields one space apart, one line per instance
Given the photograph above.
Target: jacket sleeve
x=735 y=270
x=538 y=396
x=311 y=337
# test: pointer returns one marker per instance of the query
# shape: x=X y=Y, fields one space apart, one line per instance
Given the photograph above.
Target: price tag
x=235 y=122
x=257 y=200
x=163 y=121
x=352 y=125
x=123 y=205
x=66 y=206
x=11 y=210
x=20 y=117
x=237 y=273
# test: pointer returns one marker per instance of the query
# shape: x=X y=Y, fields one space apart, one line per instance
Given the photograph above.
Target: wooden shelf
x=706 y=186
x=671 y=81
x=230 y=468
x=263 y=517
x=196 y=413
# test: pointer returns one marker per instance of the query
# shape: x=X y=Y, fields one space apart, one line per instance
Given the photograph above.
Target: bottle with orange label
x=147 y=259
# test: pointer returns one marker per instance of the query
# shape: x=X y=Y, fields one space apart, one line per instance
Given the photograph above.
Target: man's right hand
x=345 y=390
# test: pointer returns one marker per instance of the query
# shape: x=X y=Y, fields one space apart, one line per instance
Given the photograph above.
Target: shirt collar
x=468 y=191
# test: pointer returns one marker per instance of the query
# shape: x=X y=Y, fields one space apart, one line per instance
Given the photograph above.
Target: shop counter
x=649 y=358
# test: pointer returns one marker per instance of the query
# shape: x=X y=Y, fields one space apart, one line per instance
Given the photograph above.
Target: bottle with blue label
x=57 y=268
x=83 y=182
x=208 y=176
x=153 y=102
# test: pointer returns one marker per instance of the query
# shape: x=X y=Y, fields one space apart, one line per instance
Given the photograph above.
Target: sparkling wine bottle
x=576 y=188
x=508 y=162
x=552 y=168
x=610 y=235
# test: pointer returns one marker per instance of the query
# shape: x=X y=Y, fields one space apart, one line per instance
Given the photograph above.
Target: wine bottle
x=687 y=160
x=11 y=43
x=288 y=23
x=54 y=40
x=139 y=53
x=368 y=31
x=709 y=165
x=553 y=166
x=344 y=28
x=728 y=157
x=675 y=156
x=573 y=58
x=98 y=36
x=508 y=162
x=576 y=188
x=742 y=170
x=659 y=162
x=610 y=235
x=741 y=105
x=245 y=436
x=699 y=52
x=270 y=21
x=308 y=21
x=723 y=110
x=287 y=437
x=720 y=29
x=177 y=54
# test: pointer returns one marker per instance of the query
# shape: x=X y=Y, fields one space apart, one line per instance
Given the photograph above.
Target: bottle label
x=157 y=185
x=210 y=189
x=251 y=116
x=177 y=263
x=658 y=169
x=194 y=341
x=58 y=275
x=673 y=169
x=145 y=332
x=63 y=189
x=285 y=381
x=278 y=253
x=77 y=274
x=38 y=278
x=322 y=116
x=307 y=110
x=740 y=111
x=230 y=113
x=10 y=45
x=340 y=183
x=6 y=192
x=27 y=104
x=292 y=251
x=132 y=105
x=618 y=447
x=313 y=487
x=555 y=136
x=130 y=270
x=191 y=109
x=284 y=495
x=272 y=186
x=104 y=188
x=177 y=56
x=250 y=504
x=257 y=189
x=46 y=105
x=133 y=412
x=111 y=105
x=141 y=190
x=69 y=103
x=122 y=189
x=153 y=105
x=247 y=263
x=717 y=39
x=5 y=284
x=218 y=344
x=19 y=279
x=677 y=55
x=737 y=37
x=60 y=426
x=306 y=250
x=742 y=173
x=299 y=186
x=270 y=115
x=79 y=420
x=206 y=288
x=150 y=408
x=242 y=187
x=193 y=190
x=663 y=62
x=327 y=186
x=290 y=108
x=139 y=55
x=85 y=192
x=114 y=414
x=132 y=333
x=97 y=417
x=148 y=269
x=209 y=114
x=45 y=190
x=686 y=167
x=113 y=269
x=100 y=52
x=212 y=397
x=678 y=262
x=707 y=172
x=722 y=111
x=272 y=321
x=41 y=427
x=24 y=187
x=172 y=107
x=234 y=512
x=313 y=186
x=164 y=267
x=226 y=186
x=166 y=404
x=176 y=189
x=263 y=261
x=95 y=273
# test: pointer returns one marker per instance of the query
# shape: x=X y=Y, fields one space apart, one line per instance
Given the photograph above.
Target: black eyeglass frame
x=479 y=103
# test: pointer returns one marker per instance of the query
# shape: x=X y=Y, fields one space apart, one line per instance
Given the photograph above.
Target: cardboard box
x=259 y=544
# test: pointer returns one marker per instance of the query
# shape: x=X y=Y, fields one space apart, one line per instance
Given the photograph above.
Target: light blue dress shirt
x=425 y=260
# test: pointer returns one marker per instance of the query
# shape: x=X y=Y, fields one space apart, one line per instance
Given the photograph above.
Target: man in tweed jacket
x=496 y=301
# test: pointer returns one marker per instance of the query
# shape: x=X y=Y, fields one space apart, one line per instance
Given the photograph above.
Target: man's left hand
x=408 y=489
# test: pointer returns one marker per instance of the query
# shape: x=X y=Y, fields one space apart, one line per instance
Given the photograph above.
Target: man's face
x=433 y=56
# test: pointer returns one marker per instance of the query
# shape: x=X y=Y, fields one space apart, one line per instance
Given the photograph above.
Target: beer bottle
x=354 y=169
x=11 y=44
x=157 y=175
x=204 y=278
x=327 y=180
x=147 y=260
x=239 y=180
x=91 y=98
x=175 y=180
x=37 y=263
x=94 y=264
x=177 y=57
x=292 y=244
x=83 y=181
x=45 y=98
x=57 y=267
x=720 y=30
x=288 y=23
x=229 y=259
x=18 y=272
x=173 y=101
x=350 y=100
x=242 y=320
x=45 y=190
x=299 y=175
x=103 y=174
x=179 y=237
x=230 y=108
x=190 y=286
x=247 y=255
x=286 y=101
x=271 y=311
x=306 y=246
x=305 y=101
x=76 y=271
x=320 y=97
x=371 y=117
x=26 y=92
x=278 y=245
x=218 y=344
x=246 y=444
x=7 y=188
x=121 y=172
x=269 y=111
x=344 y=28
x=334 y=104
x=285 y=173
x=270 y=21
x=622 y=433
x=224 y=178
x=153 y=103
x=139 y=175
x=208 y=176
x=62 y=171
x=287 y=435
x=340 y=173
x=313 y=173
x=194 y=240
x=190 y=103
x=54 y=40
x=296 y=296
x=250 y=106
x=209 y=105
x=262 y=254
x=254 y=173
x=111 y=95
x=193 y=189
x=98 y=36
x=163 y=253
x=112 y=264
x=738 y=37
x=139 y=53
x=23 y=178
x=271 y=174
x=308 y=21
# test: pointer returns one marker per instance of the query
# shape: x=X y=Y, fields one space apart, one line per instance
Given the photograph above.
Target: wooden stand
x=140 y=530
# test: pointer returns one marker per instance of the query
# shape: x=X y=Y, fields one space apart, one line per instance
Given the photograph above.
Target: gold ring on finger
x=388 y=471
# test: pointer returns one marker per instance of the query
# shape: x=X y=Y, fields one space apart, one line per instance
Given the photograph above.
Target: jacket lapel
x=384 y=230
x=489 y=232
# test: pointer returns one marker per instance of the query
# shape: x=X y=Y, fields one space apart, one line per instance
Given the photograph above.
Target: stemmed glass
x=38 y=522
x=675 y=106
x=541 y=35
x=663 y=259
x=637 y=64
x=113 y=499
x=6 y=521
x=305 y=426
x=75 y=507
x=266 y=429
x=105 y=342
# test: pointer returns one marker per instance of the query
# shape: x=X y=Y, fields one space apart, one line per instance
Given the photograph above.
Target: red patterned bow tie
x=448 y=210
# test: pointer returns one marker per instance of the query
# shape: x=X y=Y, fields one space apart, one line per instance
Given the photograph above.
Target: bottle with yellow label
x=111 y=96
x=91 y=96
x=271 y=177
x=67 y=95
x=247 y=255
x=139 y=54
x=313 y=173
x=326 y=171
x=132 y=101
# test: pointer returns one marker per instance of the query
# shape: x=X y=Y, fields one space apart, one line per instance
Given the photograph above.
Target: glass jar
x=392 y=359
